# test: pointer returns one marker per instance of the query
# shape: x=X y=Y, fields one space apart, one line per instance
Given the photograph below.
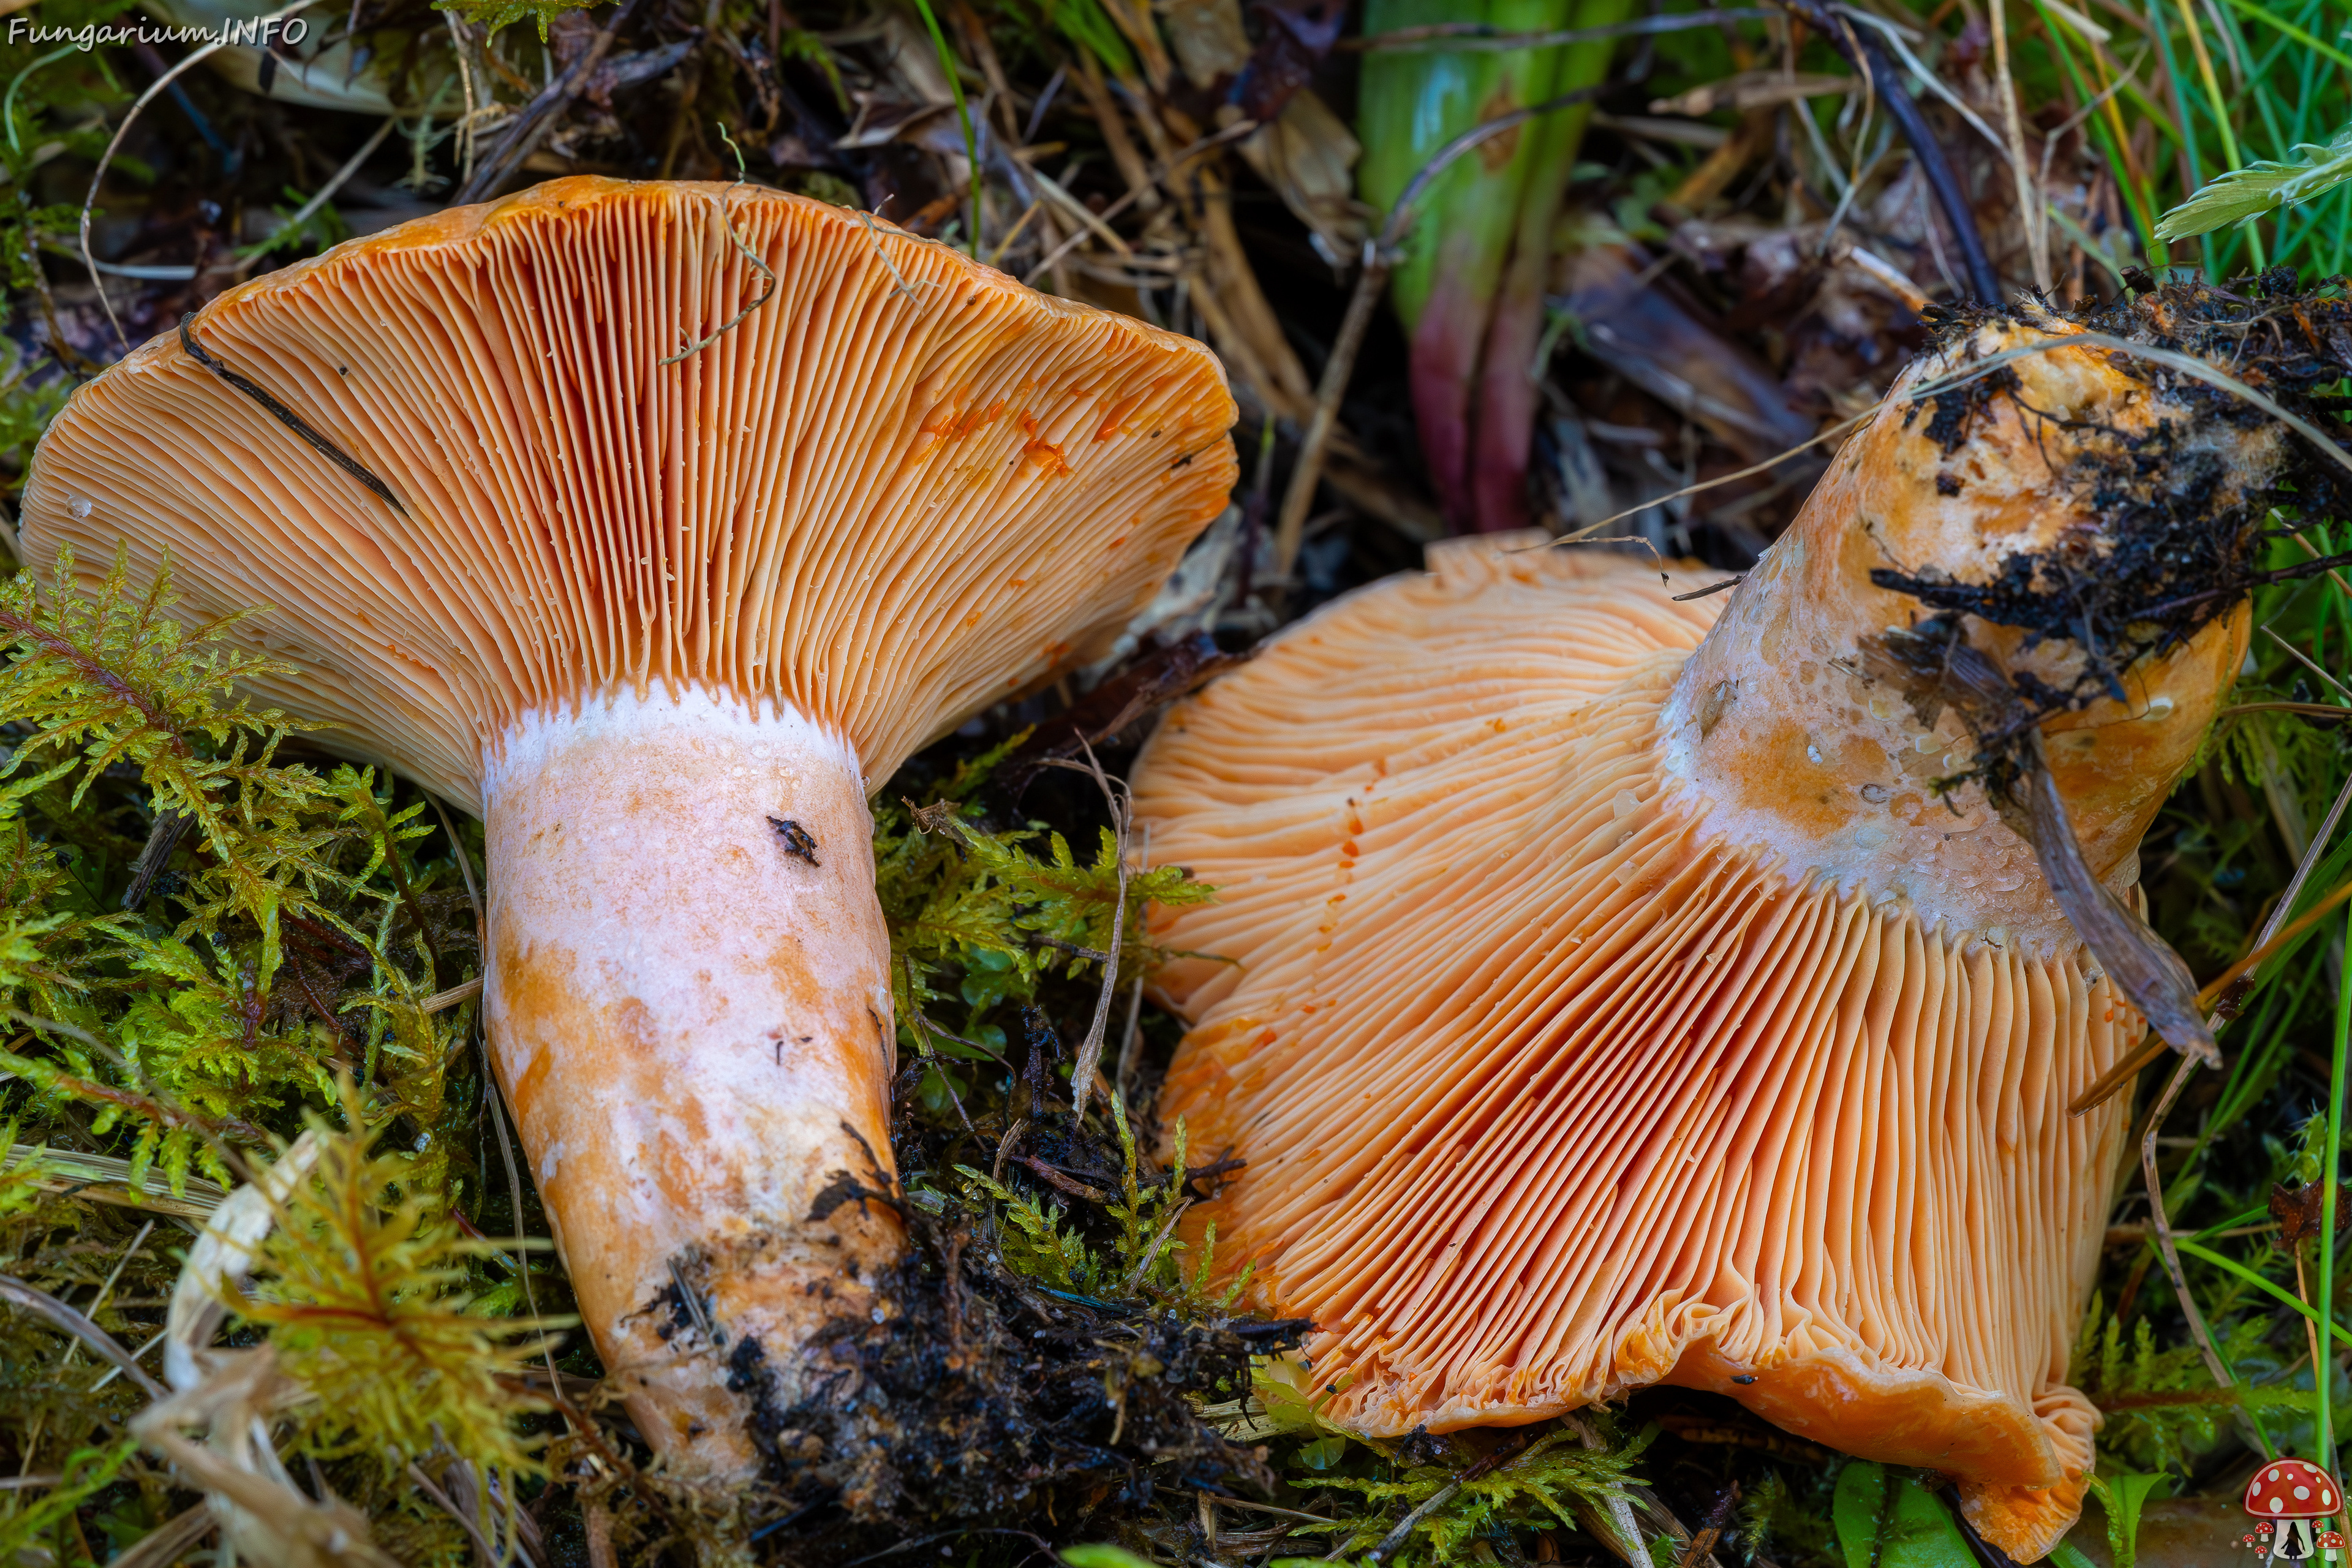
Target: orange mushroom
x=659 y=522
x=1616 y=998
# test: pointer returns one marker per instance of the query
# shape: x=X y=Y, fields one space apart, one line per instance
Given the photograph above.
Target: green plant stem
x=964 y=116
x=2321 y=1374
x=2192 y=164
x=2243 y=1216
x=8 y=107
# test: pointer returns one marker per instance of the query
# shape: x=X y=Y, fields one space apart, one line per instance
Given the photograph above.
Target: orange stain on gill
x=1114 y=422
x=1045 y=454
x=950 y=422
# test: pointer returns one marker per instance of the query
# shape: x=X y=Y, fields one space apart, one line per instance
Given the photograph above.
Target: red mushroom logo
x=2331 y=1541
x=2291 y=1493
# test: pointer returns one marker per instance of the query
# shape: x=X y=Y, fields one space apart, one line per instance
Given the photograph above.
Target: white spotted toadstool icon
x=1606 y=994
x=659 y=522
x=2290 y=1494
x=2331 y=1544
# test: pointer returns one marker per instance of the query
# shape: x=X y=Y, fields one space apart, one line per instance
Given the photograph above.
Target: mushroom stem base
x=689 y=1010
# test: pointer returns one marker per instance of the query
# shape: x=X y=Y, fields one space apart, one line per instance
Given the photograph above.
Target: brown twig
x=162 y=837
x=286 y=415
x=1148 y=184
x=1711 y=589
x=535 y=118
x=2222 y=995
x=1862 y=50
x=1059 y=1182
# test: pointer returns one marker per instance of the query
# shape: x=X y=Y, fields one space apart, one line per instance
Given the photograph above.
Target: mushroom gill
x=1620 y=995
x=668 y=520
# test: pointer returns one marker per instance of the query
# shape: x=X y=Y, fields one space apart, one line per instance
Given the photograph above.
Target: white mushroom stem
x=689 y=1009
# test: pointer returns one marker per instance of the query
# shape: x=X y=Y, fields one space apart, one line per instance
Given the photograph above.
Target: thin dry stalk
x=340 y=177
x=461 y=46
x=441 y=1001
x=1621 y=1533
x=2160 y=1228
x=1148 y=192
x=2307 y=662
x=264 y=1517
x=2030 y=213
x=222 y=1258
x=41 y=1304
x=536 y=119
x=162 y=83
x=2310 y=1323
x=1113 y=125
x=477 y=1525
x=1122 y=817
x=599 y=1520
x=168 y=1541
x=2159 y=1224
x=114 y=1276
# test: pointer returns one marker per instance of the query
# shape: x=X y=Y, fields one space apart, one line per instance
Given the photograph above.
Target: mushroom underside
x=1699 y=1118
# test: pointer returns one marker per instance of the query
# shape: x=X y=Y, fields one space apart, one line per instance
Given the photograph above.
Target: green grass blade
x=2320 y=1376
x=2284 y=1298
x=964 y=116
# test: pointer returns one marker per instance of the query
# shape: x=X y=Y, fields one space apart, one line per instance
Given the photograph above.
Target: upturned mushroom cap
x=903 y=488
x=661 y=572
x=1611 y=1000
x=2293 y=1488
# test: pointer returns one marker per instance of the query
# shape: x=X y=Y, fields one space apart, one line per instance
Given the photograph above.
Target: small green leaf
x=1104 y=1556
x=2243 y=195
x=1888 y=1519
x=2121 y=1493
x=1323 y=1453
